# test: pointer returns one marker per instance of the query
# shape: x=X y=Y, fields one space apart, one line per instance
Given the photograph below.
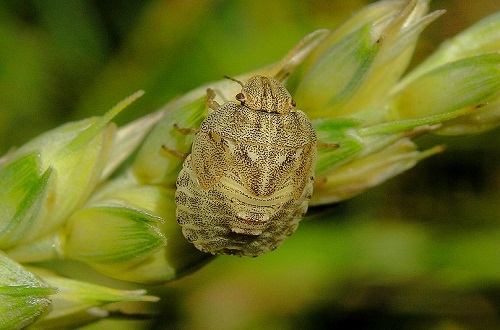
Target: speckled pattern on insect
x=249 y=177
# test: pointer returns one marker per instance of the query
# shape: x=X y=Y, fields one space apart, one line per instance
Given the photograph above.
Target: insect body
x=248 y=179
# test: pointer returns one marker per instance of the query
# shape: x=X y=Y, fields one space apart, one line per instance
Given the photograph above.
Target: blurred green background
x=420 y=251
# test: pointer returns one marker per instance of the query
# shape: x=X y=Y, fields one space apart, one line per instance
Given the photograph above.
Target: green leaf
x=482 y=119
x=82 y=140
x=339 y=71
x=74 y=296
x=333 y=131
x=460 y=84
x=24 y=297
x=154 y=165
x=76 y=154
x=481 y=38
x=24 y=199
x=110 y=233
x=363 y=173
x=397 y=42
x=397 y=126
x=178 y=257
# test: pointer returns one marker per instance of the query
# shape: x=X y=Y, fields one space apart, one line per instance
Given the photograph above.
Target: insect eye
x=292 y=103
x=240 y=97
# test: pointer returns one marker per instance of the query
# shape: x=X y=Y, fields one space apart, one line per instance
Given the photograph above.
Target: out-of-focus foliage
x=71 y=60
x=62 y=61
x=420 y=251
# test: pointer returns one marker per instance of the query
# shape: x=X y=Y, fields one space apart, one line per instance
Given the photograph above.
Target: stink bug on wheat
x=249 y=177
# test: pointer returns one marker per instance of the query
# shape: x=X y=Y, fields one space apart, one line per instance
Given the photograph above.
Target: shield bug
x=249 y=177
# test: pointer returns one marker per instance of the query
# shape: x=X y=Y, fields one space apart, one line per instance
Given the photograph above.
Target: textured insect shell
x=266 y=94
x=248 y=180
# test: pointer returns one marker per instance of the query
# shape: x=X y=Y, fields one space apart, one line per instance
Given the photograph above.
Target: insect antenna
x=234 y=79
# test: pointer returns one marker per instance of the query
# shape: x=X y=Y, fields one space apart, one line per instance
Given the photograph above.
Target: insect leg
x=211 y=103
x=186 y=131
x=166 y=151
x=327 y=145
